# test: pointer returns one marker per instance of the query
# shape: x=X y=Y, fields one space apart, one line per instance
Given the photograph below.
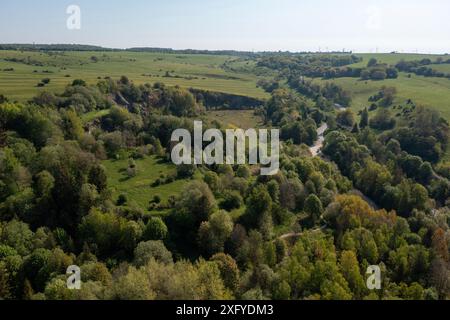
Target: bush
x=79 y=82
x=185 y=171
x=231 y=200
x=3 y=99
x=132 y=168
x=382 y=120
x=122 y=200
x=243 y=172
x=378 y=75
x=147 y=251
x=156 y=199
x=155 y=229
x=373 y=107
x=346 y=118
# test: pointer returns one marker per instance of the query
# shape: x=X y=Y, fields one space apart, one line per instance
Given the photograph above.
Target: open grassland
x=243 y=119
x=394 y=58
x=196 y=71
x=219 y=73
x=139 y=188
x=430 y=92
x=441 y=67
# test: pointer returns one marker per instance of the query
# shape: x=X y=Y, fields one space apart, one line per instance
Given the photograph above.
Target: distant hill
x=54 y=47
x=83 y=47
x=194 y=51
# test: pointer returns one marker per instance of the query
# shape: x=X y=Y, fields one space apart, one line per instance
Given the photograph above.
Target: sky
x=248 y=25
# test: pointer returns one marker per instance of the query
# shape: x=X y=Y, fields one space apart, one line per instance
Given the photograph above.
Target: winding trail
x=294 y=235
x=316 y=152
x=318 y=145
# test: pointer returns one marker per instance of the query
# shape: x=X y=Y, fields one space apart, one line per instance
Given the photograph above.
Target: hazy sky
x=295 y=25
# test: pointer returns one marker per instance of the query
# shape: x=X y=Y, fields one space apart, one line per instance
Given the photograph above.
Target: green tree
x=382 y=120
x=145 y=251
x=72 y=125
x=213 y=233
x=182 y=103
x=5 y=289
x=103 y=231
x=372 y=62
x=134 y=285
x=18 y=236
x=350 y=270
x=212 y=180
x=364 y=119
x=274 y=190
x=98 y=177
x=155 y=229
x=313 y=207
x=346 y=118
x=258 y=203
x=231 y=200
x=197 y=200
x=228 y=269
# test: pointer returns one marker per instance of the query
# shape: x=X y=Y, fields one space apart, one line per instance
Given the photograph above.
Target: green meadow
x=185 y=70
x=431 y=92
x=441 y=67
x=229 y=74
x=428 y=91
x=139 y=188
x=393 y=58
x=243 y=119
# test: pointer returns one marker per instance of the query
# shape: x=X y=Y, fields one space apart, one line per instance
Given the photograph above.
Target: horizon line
x=106 y=48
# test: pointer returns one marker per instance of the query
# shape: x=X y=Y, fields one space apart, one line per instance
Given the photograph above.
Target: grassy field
x=441 y=67
x=430 y=92
x=212 y=72
x=197 y=71
x=93 y=115
x=243 y=119
x=139 y=188
x=393 y=58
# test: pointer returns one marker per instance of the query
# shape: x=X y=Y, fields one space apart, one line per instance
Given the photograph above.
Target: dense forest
x=377 y=195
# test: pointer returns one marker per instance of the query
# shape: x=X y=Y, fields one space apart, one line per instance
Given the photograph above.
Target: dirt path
x=318 y=145
x=293 y=235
